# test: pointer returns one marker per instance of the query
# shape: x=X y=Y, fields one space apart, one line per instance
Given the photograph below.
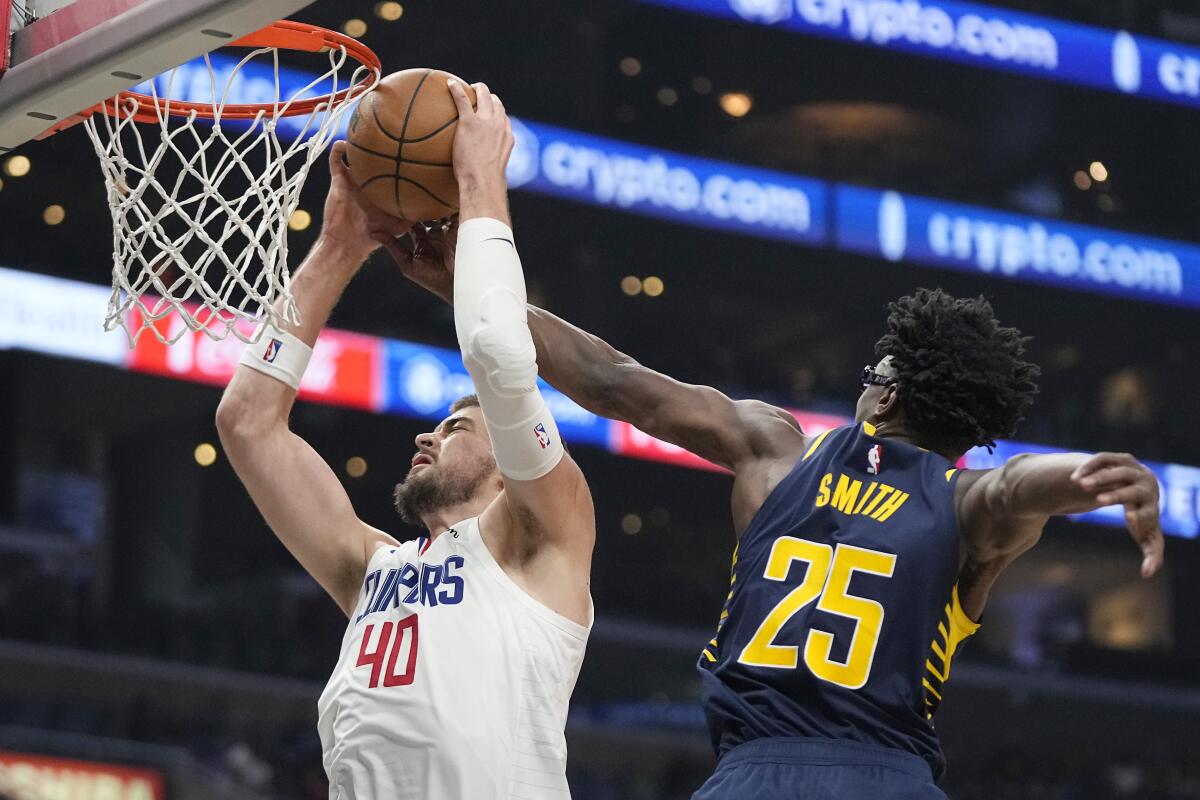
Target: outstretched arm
x=1002 y=511
x=727 y=432
x=605 y=381
x=546 y=499
x=298 y=494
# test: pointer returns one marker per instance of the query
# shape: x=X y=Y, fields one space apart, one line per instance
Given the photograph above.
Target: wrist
x=482 y=196
x=339 y=255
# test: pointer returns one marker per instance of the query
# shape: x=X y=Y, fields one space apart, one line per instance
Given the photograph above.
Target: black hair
x=959 y=374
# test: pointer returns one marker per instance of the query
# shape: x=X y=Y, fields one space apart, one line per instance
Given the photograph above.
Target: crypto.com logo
x=767 y=12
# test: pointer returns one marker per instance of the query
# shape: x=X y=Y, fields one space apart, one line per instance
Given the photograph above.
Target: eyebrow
x=453 y=421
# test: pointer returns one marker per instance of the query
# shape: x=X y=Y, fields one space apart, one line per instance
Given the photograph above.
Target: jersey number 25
x=827 y=580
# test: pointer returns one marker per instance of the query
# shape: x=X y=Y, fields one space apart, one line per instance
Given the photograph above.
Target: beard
x=424 y=493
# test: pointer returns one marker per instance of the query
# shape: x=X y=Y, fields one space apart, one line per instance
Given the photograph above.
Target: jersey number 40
x=827 y=580
x=401 y=636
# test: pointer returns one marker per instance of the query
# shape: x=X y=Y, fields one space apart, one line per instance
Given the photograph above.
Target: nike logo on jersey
x=878 y=502
x=428 y=585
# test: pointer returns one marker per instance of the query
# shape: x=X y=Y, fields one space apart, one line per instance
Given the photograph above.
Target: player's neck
x=438 y=522
x=894 y=429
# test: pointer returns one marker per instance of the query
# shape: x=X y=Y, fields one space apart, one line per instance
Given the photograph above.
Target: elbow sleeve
x=491 y=320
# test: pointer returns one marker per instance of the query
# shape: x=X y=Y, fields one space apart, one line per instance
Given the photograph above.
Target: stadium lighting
x=631 y=285
x=389 y=11
x=1083 y=181
x=355 y=28
x=205 y=454
x=653 y=286
x=736 y=104
x=18 y=166
x=1098 y=171
x=631 y=67
x=356 y=467
x=300 y=220
x=54 y=215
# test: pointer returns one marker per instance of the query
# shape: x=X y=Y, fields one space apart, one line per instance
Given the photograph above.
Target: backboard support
x=90 y=50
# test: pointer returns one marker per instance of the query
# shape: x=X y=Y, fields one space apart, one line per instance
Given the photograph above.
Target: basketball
x=401 y=139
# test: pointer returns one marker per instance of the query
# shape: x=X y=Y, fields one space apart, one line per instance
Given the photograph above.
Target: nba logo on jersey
x=875 y=460
x=543 y=438
x=272 y=351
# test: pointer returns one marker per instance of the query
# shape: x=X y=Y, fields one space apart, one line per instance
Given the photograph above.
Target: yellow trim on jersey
x=868 y=429
x=961 y=626
x=709 y=656
x=812 y=448
x=950 y=473
x=953 y=629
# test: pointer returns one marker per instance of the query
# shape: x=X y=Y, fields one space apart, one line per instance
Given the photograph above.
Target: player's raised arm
x=298 y=494
x=545 y=493
x=1002 y=511
x=605 y=381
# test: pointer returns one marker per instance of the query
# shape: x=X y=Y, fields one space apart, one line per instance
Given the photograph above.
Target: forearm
x=253 y=397
x=584 y=367
x=1042 y=486
x=491 y=321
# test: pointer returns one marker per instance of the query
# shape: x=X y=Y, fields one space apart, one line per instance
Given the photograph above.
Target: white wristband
x=278 y=354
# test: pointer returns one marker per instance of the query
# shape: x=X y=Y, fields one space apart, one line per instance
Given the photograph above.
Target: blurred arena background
x=731 y=191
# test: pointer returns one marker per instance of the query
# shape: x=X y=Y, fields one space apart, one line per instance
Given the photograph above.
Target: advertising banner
x=966 y=238
x=28 y=777
x=984 y=36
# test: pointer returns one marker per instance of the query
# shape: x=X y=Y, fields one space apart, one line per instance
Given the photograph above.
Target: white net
x=201 y=207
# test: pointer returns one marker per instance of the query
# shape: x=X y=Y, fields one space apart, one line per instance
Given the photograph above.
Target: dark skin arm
x=1001 y=512
x=758 y=442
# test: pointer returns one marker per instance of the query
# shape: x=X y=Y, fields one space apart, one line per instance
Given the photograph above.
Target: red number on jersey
x=374 y=658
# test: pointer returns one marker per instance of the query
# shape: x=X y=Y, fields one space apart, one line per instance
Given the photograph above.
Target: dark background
x=184 y=631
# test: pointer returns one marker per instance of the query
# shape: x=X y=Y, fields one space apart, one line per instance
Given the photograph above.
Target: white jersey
x=453 y=683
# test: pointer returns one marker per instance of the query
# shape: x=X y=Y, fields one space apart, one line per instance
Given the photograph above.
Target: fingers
x=1135 y=494
x=401 y=250
x=461 y=99
x=484 y=101
x=1145 y=529
x=337 y=159
x=388 y=227
x=1109 y=478
x=1101 y=460
x=1153 y=547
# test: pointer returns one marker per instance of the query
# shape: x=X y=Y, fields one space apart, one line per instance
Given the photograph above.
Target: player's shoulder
x=386 y=548
x=774 y=432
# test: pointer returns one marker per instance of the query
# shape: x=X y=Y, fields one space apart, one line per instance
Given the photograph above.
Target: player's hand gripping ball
x=401 y=144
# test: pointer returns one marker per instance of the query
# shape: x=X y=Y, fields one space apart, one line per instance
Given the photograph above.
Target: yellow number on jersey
x=828 y=578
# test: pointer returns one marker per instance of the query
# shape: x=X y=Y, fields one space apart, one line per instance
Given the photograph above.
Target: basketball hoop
x=208 y=241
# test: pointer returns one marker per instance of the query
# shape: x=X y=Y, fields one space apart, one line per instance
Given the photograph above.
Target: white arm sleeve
x=497 y=349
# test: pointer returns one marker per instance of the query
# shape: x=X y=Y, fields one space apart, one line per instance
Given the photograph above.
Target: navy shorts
x=781 y=768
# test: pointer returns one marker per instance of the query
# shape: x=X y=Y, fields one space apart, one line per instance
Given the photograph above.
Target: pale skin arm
x=756 y=441
x=609 y=383
x=1002 y=512
x=295 y=490
x=555 y=509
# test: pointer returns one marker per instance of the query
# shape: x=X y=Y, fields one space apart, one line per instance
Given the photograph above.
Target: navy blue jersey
x=843 y=611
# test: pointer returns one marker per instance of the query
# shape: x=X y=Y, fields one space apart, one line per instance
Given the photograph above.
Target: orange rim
x=283 y=35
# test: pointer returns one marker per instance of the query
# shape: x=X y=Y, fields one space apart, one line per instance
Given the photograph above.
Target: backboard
x=69 y=55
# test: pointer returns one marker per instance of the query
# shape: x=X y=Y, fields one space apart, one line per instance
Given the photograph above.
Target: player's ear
x=888 y=405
